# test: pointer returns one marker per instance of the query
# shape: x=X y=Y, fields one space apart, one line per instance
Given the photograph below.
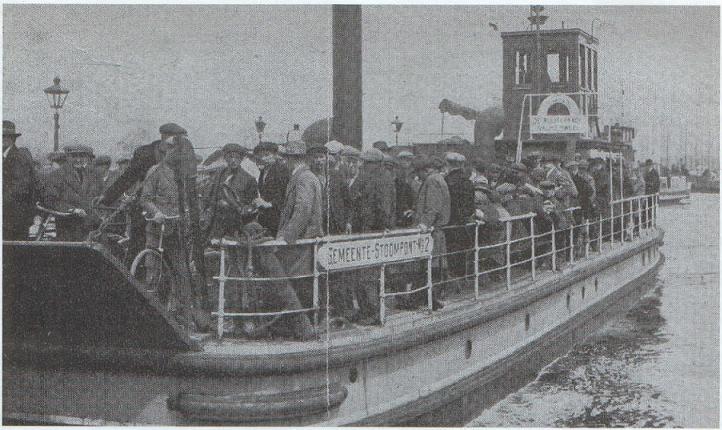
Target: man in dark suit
x=144 y=157
x=461 y=194
x=20 y=187
x=651 y=186
x=272 y=185
x=71 y=189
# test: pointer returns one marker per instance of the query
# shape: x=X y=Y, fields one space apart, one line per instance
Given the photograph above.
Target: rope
x=328 y=291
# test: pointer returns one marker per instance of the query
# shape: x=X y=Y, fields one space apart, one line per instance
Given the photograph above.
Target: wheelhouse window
x=521 y=69
x=553 y=67
x=582 y=66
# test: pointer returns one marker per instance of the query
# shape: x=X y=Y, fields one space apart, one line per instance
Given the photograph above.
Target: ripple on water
x=655 y=366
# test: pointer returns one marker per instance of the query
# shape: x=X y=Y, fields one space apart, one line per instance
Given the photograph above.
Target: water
x=655 y=366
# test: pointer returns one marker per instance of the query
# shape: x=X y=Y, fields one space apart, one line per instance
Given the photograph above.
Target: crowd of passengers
x=304 y=192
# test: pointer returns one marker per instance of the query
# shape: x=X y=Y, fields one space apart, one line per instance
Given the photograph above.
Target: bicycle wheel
x=153 y=273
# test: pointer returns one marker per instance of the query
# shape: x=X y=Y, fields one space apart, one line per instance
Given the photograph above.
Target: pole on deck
x=476 y=260
x=533 y=249
x=508 y=255
x=382 y=295
x=221 y=291
x=347 y=67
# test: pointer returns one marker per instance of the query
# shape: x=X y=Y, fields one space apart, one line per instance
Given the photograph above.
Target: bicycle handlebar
x=145 y=215
x=39 y=207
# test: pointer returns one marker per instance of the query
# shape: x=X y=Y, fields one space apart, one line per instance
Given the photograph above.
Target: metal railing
x=634 y=218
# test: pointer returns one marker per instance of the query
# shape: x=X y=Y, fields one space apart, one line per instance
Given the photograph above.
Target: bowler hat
x=293 y=148
x=373 y=155
x=230 y=148
x=9 y=129
x=172 y=128
x=505 y=188
x=79 y=149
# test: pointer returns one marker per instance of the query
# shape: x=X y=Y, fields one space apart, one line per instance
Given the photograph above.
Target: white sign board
x=557 y=124
x=368 y=252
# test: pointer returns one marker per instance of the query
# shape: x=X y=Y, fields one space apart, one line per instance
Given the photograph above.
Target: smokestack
x=347 y=85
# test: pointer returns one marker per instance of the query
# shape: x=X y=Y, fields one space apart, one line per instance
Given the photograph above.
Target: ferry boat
x=85 y=343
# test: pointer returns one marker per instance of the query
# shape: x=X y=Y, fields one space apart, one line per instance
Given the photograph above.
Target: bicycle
x=156 y=283
x=52 y=214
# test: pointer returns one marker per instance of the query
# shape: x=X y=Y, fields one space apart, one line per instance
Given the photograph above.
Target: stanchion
x=533 y=249
x=476 y=260
x=382 y=294
x=508 y=255
x=221 y=291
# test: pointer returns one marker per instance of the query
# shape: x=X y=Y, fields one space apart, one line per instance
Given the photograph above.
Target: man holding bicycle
x=159 y=199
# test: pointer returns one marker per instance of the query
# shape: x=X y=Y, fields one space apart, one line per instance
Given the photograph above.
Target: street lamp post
x=397 y=128
x=260 y=126
x=56 y=96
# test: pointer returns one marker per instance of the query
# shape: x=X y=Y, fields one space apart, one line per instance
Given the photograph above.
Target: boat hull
x=443 y=371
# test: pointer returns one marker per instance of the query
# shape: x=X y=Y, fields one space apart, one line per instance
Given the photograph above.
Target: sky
x=215 y=69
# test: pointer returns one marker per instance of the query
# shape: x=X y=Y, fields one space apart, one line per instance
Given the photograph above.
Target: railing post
x=599 y=233
x=315 y=284
x=508 y=255
x=533 y=249
x=611 y=226
x=654 y=207
x=639 y=218
x=476 y=260
x=382 y=295
x=429 y=284
x=571 y=244
x=221 y=291
x=554 y=249
x=587 y=239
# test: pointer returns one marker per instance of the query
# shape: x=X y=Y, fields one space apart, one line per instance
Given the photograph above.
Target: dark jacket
x=461 y=193
x=228 y=203
x=272 y=185
x=20 y=192
x=374 y=197
x=587 y=193
x=404 y=201
x=142 y=160
x=337 y=203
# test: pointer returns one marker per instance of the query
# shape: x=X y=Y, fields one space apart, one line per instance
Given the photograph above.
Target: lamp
x=56 y=96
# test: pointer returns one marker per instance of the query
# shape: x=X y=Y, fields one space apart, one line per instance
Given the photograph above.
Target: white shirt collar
x=5 y=152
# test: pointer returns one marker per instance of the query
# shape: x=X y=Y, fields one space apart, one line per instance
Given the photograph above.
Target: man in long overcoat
x=433 y=210
x=373 y=194
x=20 y=186
x=72 y=189
x=461 y=196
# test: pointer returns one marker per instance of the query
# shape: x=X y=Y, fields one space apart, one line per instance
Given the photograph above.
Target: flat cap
x=172 y=128
x=455 y=157
x=546 y=185
x=334 y=147
x=78 y=149
x=583 y=164
x=265 y=146
x=380 y=145
x=389 y=159
x=519 y=167
x=102 y=160
x=649 y=162
x=480 y=180
x=9 y=129
x=230 y=148
x=572 y=163
x=123 y=160
x=505 y=188
x=317 y=150
x=405 y=154
x=294 y=147
x=373 y=155
x=56 y=156
x=350 y=151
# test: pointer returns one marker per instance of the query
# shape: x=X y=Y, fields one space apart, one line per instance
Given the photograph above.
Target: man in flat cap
x=433 y=209
x=72 y=188
x=349 y=165
x=159 y=200
x=272 y=184
x=373 y=194
x=651 y=186
x=459 y=237
x=335 y=194
x=562 y=180
x=20 y=186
